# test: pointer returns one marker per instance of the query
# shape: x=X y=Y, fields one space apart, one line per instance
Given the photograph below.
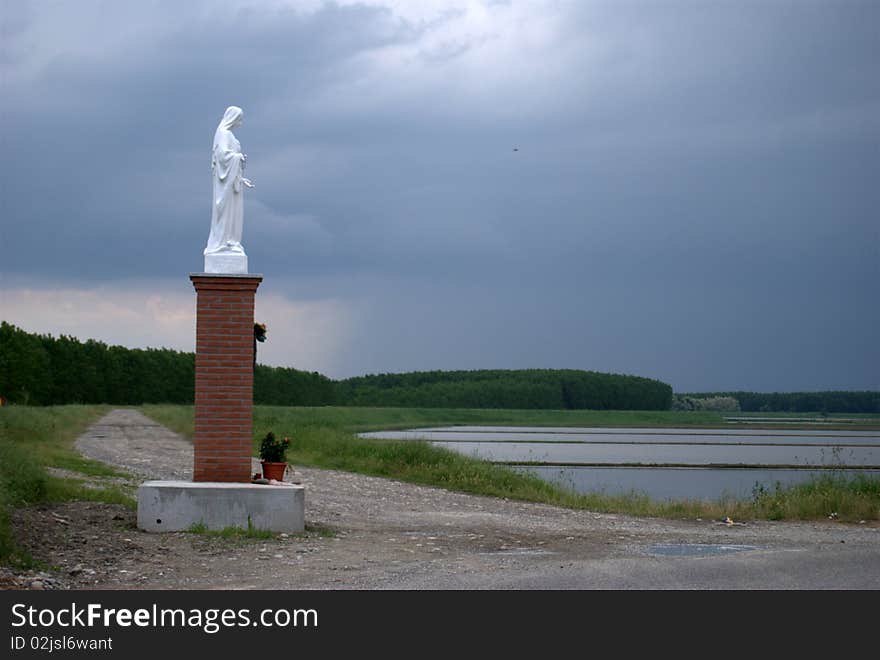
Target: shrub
x=273 y=450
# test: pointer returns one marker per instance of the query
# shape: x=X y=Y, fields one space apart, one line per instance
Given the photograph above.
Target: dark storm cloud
x=112 y=148
x=693 y=195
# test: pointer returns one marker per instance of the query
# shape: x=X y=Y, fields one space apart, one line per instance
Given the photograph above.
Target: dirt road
x=371 y=533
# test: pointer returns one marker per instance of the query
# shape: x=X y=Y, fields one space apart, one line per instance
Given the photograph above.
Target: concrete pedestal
x=175 y=506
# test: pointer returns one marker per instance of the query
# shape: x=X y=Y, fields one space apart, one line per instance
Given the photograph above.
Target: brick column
x=224 y=376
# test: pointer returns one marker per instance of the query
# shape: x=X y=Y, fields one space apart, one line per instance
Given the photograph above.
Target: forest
x=39 y=369
x=43 y=370
x=548 y=389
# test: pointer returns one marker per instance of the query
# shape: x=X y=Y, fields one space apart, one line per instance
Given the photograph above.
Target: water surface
x=680 y=483
x=663 y=463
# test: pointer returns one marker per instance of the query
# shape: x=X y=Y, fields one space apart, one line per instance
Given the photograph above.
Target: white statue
x=224 y=252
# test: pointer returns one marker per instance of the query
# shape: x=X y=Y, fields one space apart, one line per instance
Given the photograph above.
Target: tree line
x=40 y=369
x=549 y=389
x=43 y=370
x=834 y=401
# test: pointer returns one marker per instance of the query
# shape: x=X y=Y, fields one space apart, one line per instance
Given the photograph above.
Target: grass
x=232 y=532
x=32 y=439
x=835 y=421
x=252 y=532
x=371 y=419
x=355 y=419
x=325 y=437
x=834 y=496
x=321 y=531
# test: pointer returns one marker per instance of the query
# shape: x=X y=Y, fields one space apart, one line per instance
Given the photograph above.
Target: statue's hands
x=247 y=182
x=243 y=158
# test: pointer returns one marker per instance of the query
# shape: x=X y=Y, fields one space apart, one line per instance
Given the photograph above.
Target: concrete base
x=174 y=506
x=226 y=262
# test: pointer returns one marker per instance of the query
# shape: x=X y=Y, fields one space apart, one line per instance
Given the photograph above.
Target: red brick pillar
x=224 y=376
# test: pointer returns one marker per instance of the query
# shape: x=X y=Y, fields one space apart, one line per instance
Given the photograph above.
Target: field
x=38 y=462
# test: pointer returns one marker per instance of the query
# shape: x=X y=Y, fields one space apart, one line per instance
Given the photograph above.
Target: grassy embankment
x=32 y=439
x=325 y=437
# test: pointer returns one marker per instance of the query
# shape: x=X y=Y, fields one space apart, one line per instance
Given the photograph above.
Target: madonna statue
x=224 y=252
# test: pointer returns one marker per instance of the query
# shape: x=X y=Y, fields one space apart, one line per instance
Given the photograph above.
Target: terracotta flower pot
x=273 y=470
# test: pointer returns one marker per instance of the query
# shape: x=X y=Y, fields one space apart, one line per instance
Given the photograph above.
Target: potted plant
x=273 y=456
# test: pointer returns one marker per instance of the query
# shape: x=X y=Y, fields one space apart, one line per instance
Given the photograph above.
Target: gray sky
x=694 y=195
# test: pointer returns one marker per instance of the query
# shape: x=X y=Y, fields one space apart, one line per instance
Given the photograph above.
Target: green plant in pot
x=273 y=456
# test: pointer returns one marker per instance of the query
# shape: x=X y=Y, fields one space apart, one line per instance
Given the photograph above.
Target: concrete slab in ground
x=173 y=506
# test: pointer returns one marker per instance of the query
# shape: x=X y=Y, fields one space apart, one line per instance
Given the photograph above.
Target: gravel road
x=371 y=533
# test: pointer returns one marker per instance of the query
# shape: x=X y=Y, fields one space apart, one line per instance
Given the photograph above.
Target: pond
x=660 y=462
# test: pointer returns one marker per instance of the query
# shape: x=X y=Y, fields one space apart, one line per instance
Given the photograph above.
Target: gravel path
x=130 y=440
x=385 y=534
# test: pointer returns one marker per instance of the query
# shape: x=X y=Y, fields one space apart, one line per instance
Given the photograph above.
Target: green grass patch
x=232 y=532
x=79 y=490
x=33 y=438
x=21 y=481
x=179 y=419
x=356 y=419
x=808 y=420
x=48 y=434
x=371 y=419
x=846 y=499
x=322 y=531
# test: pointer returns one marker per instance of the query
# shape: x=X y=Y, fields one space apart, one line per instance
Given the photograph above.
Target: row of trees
x=282 y=386
x=525 y=388
x=835 y=401
x=43 y=370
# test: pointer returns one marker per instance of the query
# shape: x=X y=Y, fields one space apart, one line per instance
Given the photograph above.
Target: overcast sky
x=686 y=191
